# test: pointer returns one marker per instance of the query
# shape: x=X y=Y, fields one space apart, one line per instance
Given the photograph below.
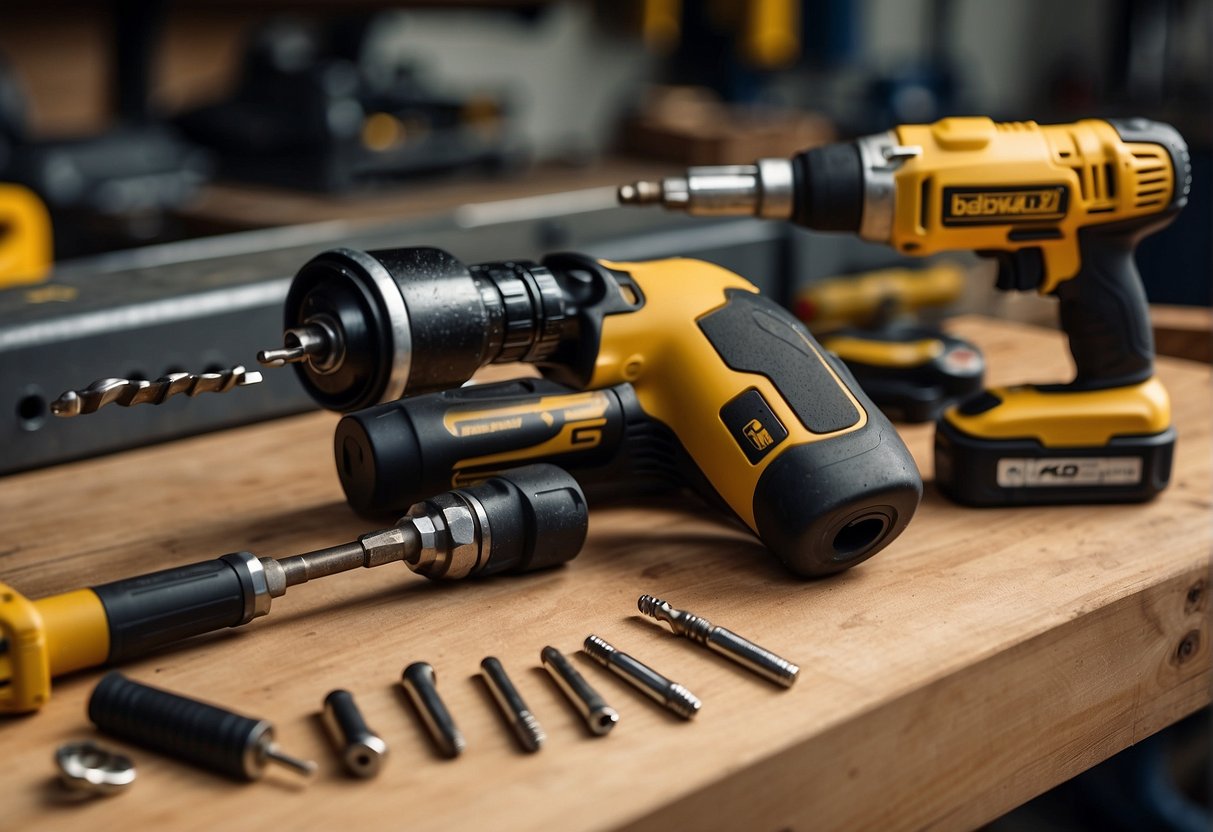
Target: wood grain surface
x=983 y=657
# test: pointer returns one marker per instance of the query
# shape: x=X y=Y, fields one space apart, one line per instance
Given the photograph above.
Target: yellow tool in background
x=878 y=296
x=25 y=237
x=911 y=371
x=1061 y=207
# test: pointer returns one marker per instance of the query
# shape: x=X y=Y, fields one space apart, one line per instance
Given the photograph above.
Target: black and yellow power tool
x=678 y=366
x=1061 y=207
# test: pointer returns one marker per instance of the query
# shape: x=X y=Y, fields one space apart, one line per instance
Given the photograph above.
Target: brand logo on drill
x=759 y=436
x=975 y=206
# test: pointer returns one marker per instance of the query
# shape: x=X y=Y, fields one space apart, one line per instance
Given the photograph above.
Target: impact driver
x=662 y=371
x=1061 y=208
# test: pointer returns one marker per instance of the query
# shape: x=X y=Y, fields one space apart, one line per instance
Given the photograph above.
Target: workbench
x=980 y=659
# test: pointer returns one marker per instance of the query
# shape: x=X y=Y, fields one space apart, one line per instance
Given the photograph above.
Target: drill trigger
x=1022 y=270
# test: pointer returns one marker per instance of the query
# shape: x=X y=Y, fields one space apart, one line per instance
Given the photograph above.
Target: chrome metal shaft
x=671 y=695
x=419 y=682
x=513 y=706
x=129 y=391
x=719 y=640
x=599 y=717
x=763 y=189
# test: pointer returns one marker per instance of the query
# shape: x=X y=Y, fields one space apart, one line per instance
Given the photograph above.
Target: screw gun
x=1061 y=208
x=679 y=366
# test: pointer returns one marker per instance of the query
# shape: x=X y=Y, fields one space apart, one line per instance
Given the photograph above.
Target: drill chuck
x=367 y=327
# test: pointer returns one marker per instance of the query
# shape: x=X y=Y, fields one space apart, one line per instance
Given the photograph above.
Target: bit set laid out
x=242 y=748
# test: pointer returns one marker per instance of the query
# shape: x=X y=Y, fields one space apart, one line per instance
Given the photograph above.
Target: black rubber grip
x=538 y=518
x=1104 y=310
x=754 y=335
x=202 y=734
x=164 y=607
x=391 y=456
x=828 y=188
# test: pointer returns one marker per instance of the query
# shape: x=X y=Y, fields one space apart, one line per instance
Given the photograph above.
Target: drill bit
x=763 y=189
x=648 y=681
x=129 y=391
x=722 y=641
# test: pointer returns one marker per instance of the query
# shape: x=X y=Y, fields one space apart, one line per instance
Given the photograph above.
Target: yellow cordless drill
x=1061 y=207
x=662 y=372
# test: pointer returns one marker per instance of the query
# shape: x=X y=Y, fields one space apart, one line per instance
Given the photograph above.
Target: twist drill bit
x=719 y=640
x=657 y=687
x=129 y=391
x=513 y=707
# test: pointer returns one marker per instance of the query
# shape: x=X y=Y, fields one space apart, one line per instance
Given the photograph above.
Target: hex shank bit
x=719 y=640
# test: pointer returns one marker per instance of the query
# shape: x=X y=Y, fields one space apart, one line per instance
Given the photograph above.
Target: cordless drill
x=1061 y=208
x=669 y=370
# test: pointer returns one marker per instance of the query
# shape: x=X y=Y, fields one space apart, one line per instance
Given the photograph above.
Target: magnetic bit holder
x=724 y=642
x=362 y=750
x=89 y=767
x=132 y=391
x=206 y=735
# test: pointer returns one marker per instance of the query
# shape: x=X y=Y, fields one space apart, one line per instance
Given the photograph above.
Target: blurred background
x=158 y=153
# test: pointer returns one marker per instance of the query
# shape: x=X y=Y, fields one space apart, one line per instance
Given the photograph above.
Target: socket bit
x=362 y=751
x=418 y=681
x=657 y=687
x=132 y=391
x=522 y=721
x=719 y=640
x=599 y=717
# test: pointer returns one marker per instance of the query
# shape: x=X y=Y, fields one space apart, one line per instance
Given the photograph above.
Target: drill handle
x=1104 y=311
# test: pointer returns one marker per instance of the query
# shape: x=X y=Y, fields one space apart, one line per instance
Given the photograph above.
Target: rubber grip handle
x=1104 y=311
x=160 y=608
x=202 y=734
x=537 y=518
x=395 y=454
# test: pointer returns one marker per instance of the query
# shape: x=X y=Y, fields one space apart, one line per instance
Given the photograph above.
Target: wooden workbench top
x=982 y=658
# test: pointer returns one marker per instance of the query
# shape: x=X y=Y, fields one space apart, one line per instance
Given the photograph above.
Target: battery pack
x=975 y=471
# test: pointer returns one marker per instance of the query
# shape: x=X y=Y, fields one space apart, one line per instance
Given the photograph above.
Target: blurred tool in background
x=25 y=237
x=109 y=189
x=317 y=108
x=911 y=370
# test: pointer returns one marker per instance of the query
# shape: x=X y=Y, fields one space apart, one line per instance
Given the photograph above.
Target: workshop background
x=138 y=123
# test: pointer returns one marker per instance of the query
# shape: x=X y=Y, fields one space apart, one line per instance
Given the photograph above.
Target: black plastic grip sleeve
x=828 y=188
x=153 y=610
x=393 y=455
x=1104 y=311
x=184 y=728
x=537 y=515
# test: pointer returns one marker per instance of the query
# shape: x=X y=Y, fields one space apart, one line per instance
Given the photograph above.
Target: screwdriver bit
x=419 y=680
x=599 y=717
x=526 y=728
x=671 y=695
x=722 y=641
x=131 y=391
